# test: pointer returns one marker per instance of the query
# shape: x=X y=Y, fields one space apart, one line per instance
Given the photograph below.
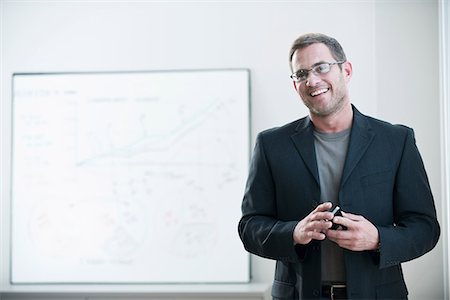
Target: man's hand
x=360 y=234
x=313 y=226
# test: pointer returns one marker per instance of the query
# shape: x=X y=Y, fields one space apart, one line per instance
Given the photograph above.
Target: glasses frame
x=314 y=69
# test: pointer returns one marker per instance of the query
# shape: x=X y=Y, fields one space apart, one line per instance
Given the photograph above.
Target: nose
x=312 y=79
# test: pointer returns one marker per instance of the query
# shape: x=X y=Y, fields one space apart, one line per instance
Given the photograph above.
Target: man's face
x=323 y=94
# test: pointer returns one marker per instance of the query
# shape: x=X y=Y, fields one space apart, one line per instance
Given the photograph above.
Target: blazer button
x=316 y=293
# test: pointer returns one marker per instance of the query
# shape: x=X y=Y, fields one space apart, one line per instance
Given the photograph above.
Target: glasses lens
x=322 y=68
x=301 y=75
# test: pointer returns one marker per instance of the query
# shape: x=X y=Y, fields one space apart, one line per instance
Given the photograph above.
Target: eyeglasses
x=322 y=68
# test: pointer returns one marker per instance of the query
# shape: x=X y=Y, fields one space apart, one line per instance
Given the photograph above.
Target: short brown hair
x=312 y=38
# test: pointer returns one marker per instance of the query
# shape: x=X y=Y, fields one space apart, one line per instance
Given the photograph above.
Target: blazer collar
x=303 y=139
x=360 y=138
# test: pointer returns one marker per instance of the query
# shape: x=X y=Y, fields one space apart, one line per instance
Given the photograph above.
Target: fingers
x=352 y=216
x=348 y=220
x=323 y=206
x=313 y=225
x=360 y=235
x=315 y=229
x=344 y=221
x=318 y=226
x=316 y=235
x=321 y=212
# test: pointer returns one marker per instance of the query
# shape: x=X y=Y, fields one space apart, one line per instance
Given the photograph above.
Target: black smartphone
x=336 y=211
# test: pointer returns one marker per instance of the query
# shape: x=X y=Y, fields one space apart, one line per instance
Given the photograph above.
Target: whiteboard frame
x=89 y=283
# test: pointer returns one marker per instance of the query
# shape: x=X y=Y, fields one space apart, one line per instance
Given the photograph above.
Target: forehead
x=311 y=55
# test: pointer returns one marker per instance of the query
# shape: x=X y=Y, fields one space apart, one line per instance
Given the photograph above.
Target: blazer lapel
x=360 y=139
x=304 y=143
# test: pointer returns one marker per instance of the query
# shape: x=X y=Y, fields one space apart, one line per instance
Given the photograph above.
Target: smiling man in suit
x=336 y=156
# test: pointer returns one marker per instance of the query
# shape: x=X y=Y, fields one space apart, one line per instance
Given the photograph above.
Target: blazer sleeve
x=261 y=232
x=416 y=229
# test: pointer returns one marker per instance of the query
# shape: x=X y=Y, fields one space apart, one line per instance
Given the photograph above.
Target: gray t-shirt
x=331 y=150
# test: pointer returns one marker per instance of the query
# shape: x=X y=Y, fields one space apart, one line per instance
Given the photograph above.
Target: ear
x=295 y=85
x=347 y=68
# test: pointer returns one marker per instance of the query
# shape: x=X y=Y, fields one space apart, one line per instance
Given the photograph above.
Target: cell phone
x=336 y=211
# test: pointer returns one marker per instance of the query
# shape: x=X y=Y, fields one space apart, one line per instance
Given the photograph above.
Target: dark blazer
x=384 y=180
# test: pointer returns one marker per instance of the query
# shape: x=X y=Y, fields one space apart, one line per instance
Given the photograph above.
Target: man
x=336 y=156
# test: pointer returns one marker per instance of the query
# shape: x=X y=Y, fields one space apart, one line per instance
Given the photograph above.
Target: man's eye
x=323 y=68
x=302 y=74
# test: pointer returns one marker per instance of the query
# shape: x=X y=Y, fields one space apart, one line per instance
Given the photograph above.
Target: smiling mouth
x=318 y=92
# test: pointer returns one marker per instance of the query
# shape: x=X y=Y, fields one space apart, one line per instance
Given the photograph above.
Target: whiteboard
x=129 y=177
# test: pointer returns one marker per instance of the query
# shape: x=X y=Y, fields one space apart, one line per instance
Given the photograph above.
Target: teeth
x=318 y=92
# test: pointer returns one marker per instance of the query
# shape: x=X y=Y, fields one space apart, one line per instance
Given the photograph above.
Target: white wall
x=408 y=93
x=393 y=46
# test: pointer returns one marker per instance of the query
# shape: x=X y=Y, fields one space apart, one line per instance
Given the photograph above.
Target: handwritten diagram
x=120 y=177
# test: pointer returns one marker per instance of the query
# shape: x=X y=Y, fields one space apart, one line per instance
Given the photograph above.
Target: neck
x=335 y=122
